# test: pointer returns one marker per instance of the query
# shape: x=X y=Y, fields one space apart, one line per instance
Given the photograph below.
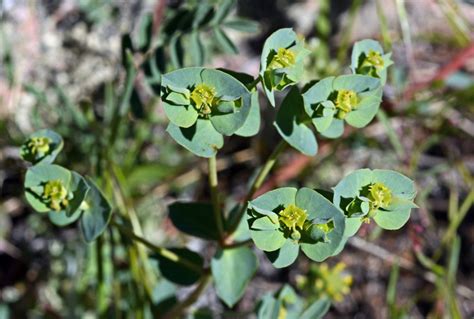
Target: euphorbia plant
x=203 y=105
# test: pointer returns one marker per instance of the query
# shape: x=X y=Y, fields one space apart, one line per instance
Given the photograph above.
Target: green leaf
x=392 y=220
x=317 y=309
x=286 y=255
x=335 y=129
x=145 y=32
x=349 y=187
x=319 y=208
x=180 y=115
x=55 y=146
x=290 y=123
x=195 y=219
x=176 y=50
x=201 y=138
x=232 y=270
x=145 y=176
x=178 y=273
x=224 y=42
x=61 y=219
x=273 y=200
x=267 y=240
x=268 y=307
x=243 y=25
x=223 y=10
x=197 y=48
x=252 y=123
x=96 y=213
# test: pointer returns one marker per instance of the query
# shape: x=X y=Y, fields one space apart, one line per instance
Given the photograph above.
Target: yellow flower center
x=282 y=59
x=293 y=217
x=204 y=98
x=55 y=195
x=379 y=195
x=374 y=58
x=346 y=101
x=39 y=146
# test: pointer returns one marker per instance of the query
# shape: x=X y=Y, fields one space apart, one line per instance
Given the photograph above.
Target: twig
x=164 y=252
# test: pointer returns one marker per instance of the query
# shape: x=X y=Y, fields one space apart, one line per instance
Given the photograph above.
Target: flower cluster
x=369 y=59
x=283 y=220
x=282 y=61
x=42 y=147
x=55 y=195
x=353 y=99
x=202 y=106
x=324 y=281
x=382 y=195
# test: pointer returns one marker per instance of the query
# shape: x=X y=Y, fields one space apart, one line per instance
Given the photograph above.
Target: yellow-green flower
x=204 y=98
x=39 y=146
x=346 y=101
x=323 y=281
x=374 y=59
x=55 y=195
x=380 y=196
x=293 y=217
x=282 y=59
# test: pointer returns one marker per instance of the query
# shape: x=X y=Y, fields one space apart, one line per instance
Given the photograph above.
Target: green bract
x=202 y=105
x=368 y=58
x=42 y=147
x=291 y=122
x=52 y=188
x=283 y=220
x=354 y=99
x=96 y=213
x=383 y=195
x=281 y=63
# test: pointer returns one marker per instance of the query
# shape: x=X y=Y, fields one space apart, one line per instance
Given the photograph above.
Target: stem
x=213 y=184
x=253 y=84
x=257 y=183
x=165 y=253
x=179 y=308
x=129 y=213
x=239 y=244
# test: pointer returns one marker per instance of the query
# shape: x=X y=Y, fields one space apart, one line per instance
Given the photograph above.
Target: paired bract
x=202 y=106
x=286 y=219
x=281 y=63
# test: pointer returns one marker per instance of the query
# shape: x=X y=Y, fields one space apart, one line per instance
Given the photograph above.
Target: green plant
x=203 y=106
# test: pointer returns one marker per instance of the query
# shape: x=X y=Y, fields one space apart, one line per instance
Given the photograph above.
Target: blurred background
x=62 y=68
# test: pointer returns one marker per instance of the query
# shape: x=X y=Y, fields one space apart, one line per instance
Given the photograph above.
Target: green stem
x=253 y=84
x=165 y=253
x=239 y=244
x=129 y=213
x=213 y=184
x=179 y=308
x=257 y=183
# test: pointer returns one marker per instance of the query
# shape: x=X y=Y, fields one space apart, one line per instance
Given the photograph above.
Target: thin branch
x=165 y=253
x=257 y=183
